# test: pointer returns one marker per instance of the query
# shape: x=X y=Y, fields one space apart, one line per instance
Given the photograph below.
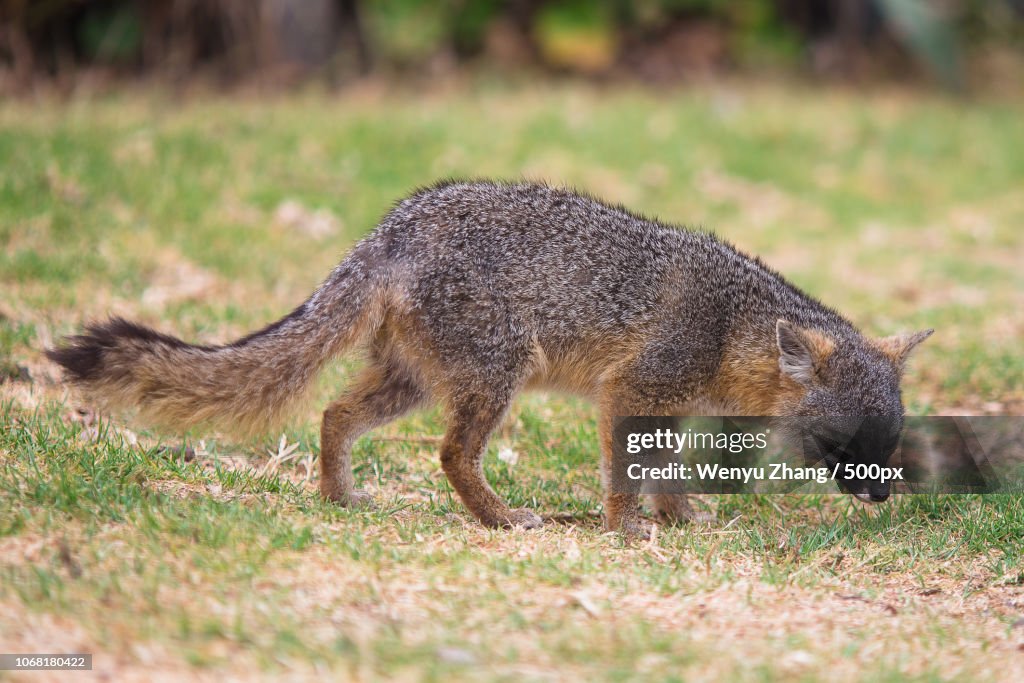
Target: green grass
x=902 y=211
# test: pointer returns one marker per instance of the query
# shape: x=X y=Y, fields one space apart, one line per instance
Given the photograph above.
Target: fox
x=468 y=292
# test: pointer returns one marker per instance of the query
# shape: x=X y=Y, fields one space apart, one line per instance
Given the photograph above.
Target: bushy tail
x=247 y=387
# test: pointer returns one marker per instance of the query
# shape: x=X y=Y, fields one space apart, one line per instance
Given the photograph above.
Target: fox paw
x=690 y=516
x=702 y=517
x=353 y=500
x=523 y=517
x=636 y=531
x=670 y=509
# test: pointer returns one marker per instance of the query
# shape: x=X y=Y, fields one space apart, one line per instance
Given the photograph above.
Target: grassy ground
x=213 y=217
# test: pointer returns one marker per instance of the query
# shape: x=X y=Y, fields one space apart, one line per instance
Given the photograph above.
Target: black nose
x=879 y=497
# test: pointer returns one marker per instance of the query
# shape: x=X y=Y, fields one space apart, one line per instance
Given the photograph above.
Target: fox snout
x=865 y=490
x=858 y=454
x=874 y=495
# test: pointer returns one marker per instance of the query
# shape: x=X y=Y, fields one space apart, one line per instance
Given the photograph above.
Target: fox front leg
x=621 y=507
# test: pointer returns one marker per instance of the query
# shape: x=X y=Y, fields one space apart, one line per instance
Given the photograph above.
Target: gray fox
x=468 y=292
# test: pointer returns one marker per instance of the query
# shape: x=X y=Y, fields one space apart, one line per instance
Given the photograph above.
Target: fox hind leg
x=379 y=395
x=471 y=422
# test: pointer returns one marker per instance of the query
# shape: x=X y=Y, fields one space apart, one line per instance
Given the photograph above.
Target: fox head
x=845 y=392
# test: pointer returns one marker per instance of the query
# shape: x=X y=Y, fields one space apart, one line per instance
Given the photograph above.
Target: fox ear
x=899 y=346
x=801 y=352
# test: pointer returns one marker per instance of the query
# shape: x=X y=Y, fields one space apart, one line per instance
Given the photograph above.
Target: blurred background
x=201 y=164
x=952 y=43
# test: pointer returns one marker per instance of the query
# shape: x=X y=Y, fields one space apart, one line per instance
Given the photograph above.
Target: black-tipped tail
x=81 y=356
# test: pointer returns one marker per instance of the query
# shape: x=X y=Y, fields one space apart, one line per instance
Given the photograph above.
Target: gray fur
x=469 y=292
